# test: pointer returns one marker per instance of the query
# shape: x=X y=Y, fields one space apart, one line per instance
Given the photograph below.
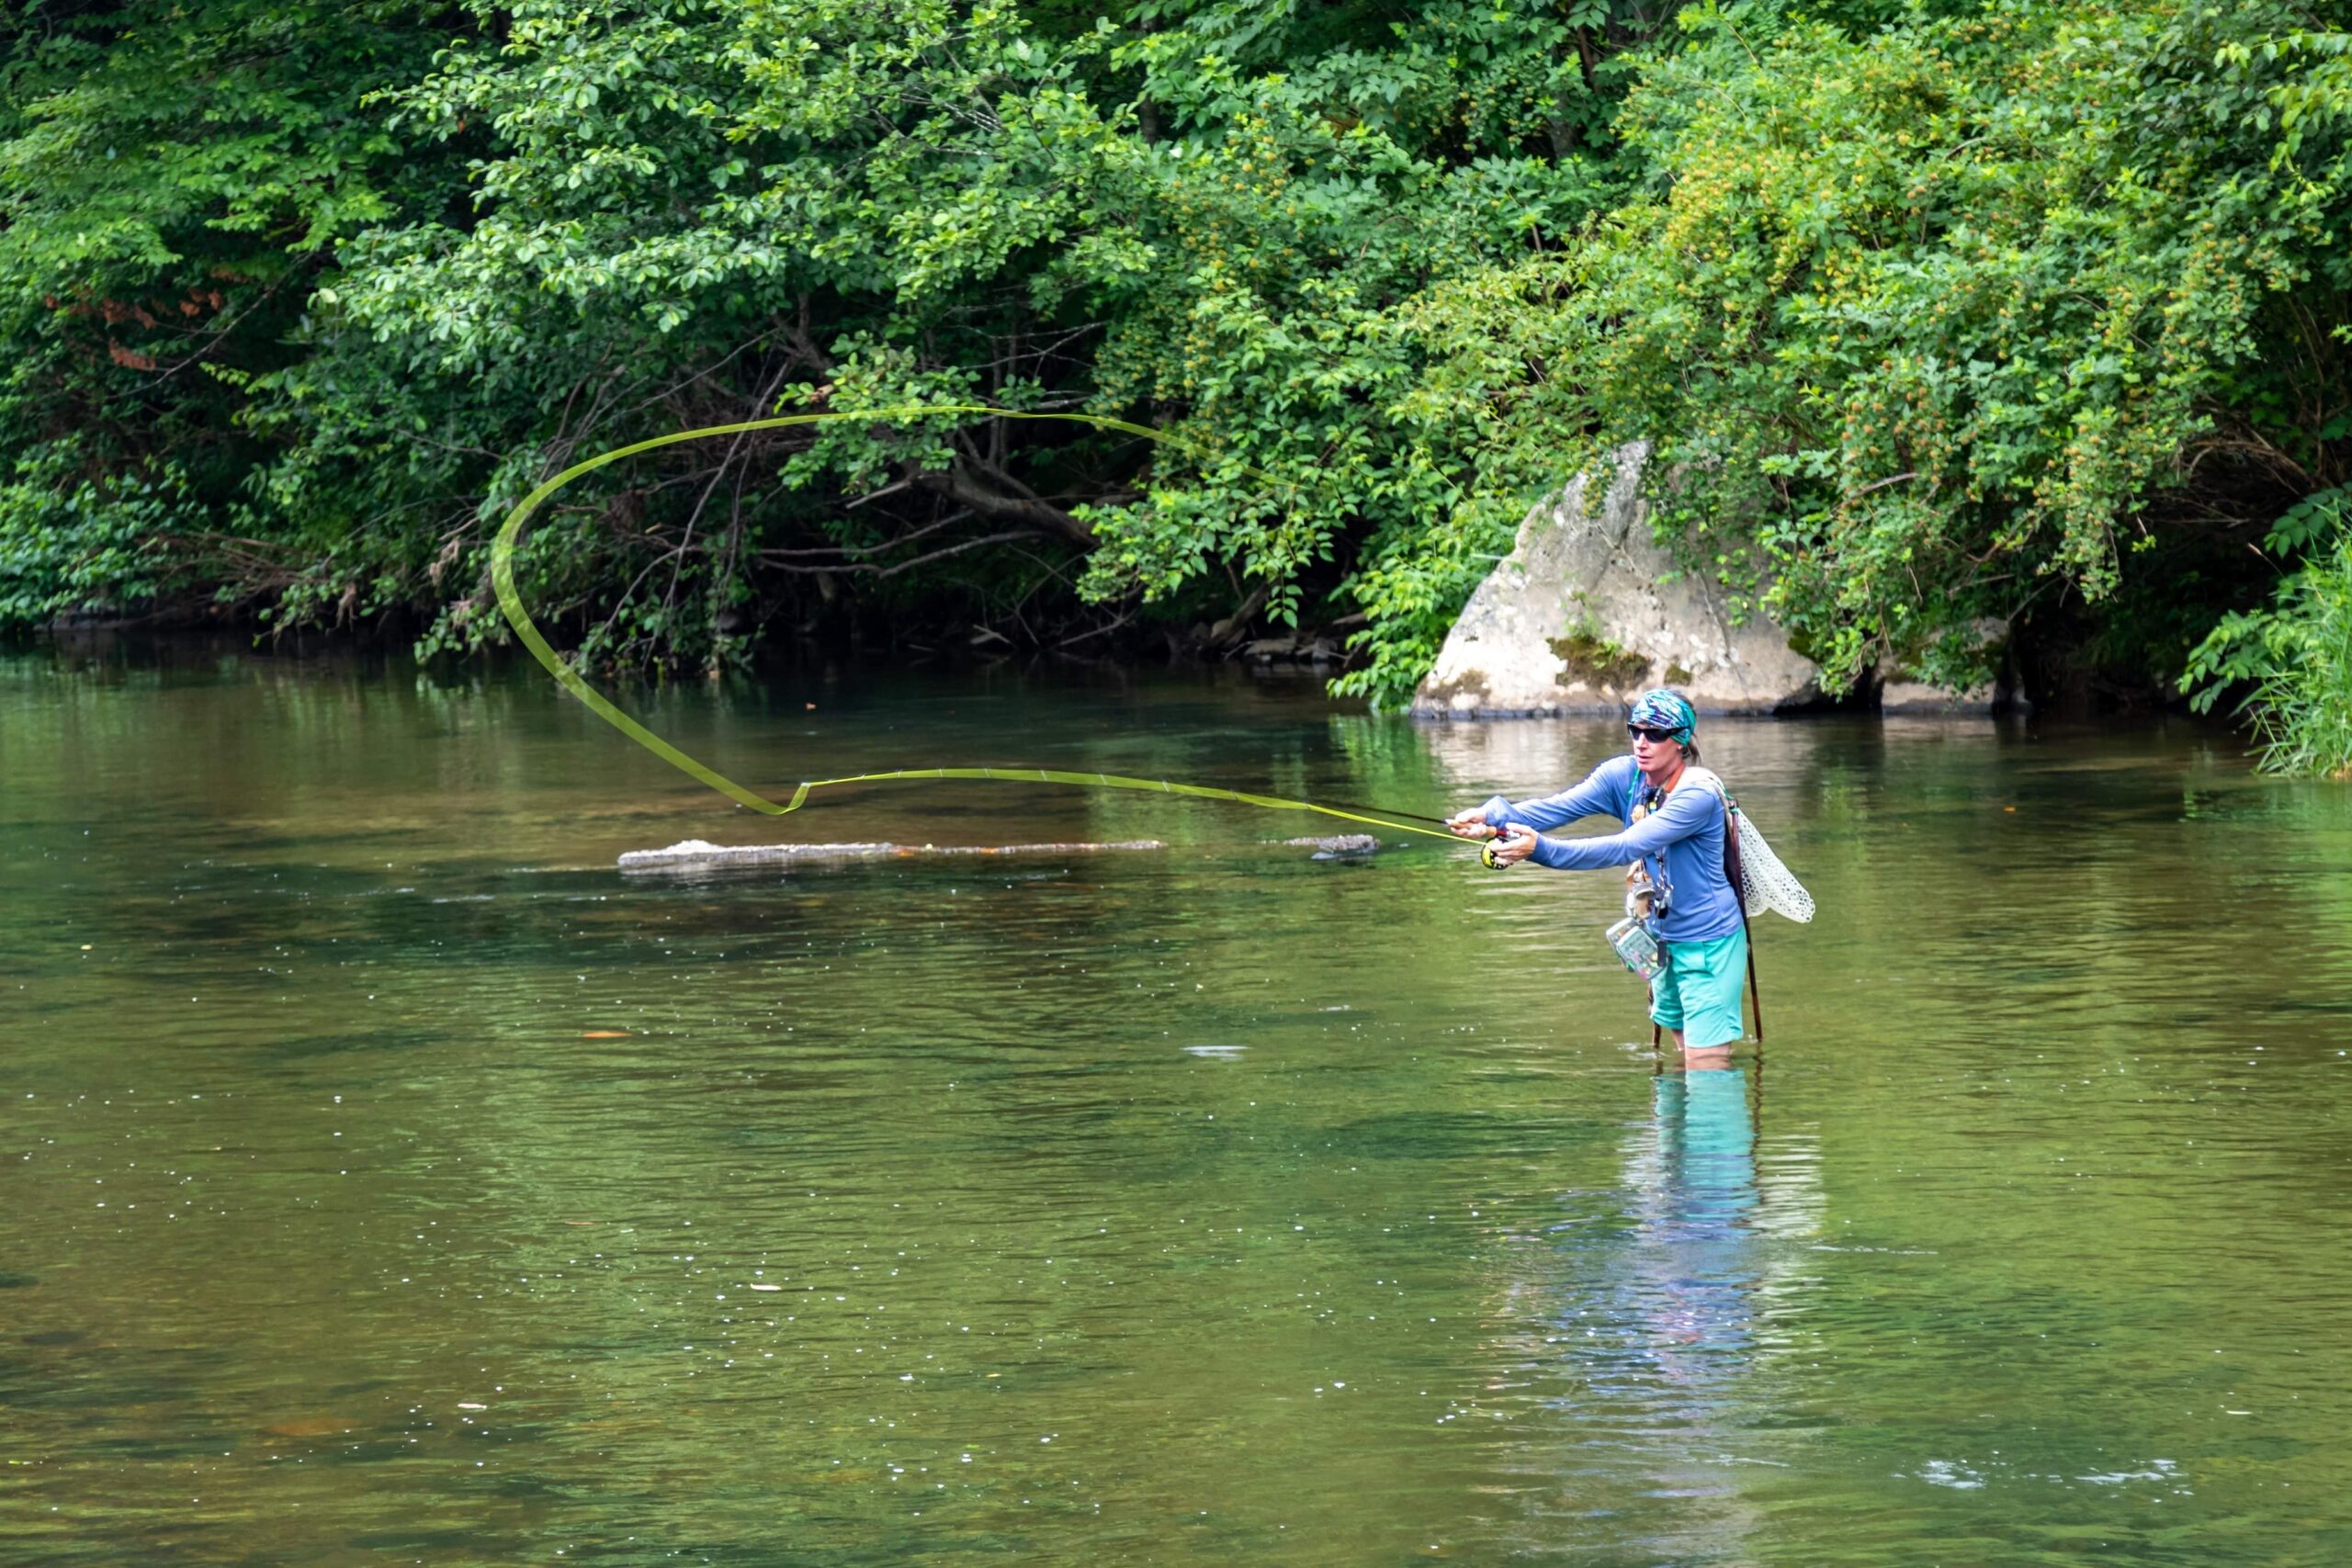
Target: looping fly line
x=510 y=602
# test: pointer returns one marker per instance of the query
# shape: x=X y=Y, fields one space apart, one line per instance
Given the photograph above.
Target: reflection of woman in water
x=1695 y=1213
x=1657 y=1329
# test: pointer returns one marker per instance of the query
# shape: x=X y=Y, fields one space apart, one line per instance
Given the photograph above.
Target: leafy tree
x=2292 y=658
x=1953 y=322
x=173 y=181
x=1209 y=216
x=1954 y=317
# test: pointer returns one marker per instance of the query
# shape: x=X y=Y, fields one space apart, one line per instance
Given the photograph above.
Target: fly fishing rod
x=509 y=603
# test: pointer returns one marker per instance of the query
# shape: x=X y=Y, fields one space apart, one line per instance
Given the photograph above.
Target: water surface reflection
x=386 y=1174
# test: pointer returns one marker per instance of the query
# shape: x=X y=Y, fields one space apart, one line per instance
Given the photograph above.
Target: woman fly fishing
x=1684 y=891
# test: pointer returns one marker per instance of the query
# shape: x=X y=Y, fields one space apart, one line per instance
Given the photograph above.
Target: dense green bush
x=175 y=181
x=2292 y=659
x=1942 y=320
x=1214 y=216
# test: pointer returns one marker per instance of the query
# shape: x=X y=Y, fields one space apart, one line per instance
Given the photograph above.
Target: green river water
x=388 y=1177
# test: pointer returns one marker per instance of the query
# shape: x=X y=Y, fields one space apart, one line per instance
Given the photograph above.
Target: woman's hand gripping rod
x=1505 y=844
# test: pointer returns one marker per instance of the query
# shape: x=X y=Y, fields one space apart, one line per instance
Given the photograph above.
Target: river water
x=387 y=1177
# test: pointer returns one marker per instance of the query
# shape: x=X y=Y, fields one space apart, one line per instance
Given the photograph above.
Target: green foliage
x=172 y=182
x=1927 y=321
x=71 y=545
x=1214 y=216
x=2318 y=517
x=2295 y=654
x=474 y=247
x=1940 y=317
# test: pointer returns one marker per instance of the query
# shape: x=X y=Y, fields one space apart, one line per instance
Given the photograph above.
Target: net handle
x=1737 y=871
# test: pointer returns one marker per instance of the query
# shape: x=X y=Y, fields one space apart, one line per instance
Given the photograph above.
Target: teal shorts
x=1697 y=991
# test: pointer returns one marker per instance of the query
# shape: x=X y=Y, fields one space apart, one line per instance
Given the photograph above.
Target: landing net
x=1765 y=882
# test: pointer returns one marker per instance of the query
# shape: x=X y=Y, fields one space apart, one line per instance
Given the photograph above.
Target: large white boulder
x=1588 y=609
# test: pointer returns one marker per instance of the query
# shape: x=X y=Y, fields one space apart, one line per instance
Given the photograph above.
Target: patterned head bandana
x=1667 y=710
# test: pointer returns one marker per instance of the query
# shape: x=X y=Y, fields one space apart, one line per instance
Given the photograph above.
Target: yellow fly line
x=510 y=602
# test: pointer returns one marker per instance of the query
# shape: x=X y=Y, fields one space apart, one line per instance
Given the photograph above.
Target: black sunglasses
x=1646 y=733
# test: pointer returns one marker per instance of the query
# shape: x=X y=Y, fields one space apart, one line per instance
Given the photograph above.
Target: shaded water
x=386 y=1176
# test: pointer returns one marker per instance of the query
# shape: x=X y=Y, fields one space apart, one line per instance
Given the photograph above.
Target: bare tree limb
x=870 y=570
x=965 y=488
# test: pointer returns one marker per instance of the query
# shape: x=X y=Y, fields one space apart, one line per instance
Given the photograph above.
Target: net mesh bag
x=1765 y=882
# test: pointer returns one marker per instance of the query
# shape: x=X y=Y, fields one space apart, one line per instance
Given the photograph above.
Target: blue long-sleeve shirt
x=1681 y=843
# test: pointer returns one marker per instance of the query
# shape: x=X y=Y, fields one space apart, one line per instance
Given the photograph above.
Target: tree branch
x=869 y=568
x=960 y=485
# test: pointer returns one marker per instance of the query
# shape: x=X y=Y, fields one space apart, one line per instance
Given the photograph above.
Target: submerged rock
x=1916 y=699
x=1336 y=846
x=1901 y=693
x=1588 y=609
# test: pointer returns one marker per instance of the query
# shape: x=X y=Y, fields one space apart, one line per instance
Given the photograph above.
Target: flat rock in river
x=698 y=854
